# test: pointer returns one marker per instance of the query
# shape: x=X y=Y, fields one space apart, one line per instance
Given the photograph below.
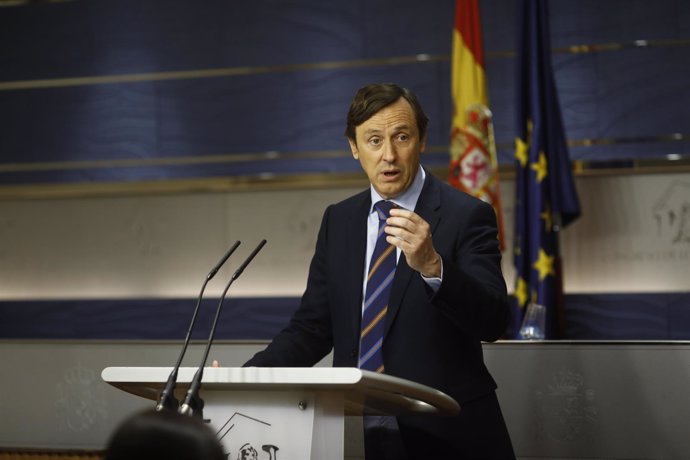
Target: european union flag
x=546 y=199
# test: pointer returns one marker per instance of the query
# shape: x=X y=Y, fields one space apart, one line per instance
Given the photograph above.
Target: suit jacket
x=430 y=338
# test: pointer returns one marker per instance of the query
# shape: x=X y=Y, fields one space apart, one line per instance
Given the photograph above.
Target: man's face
x=388 y=147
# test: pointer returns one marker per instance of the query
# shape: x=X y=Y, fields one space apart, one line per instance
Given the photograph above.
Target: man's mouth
x=390 y=174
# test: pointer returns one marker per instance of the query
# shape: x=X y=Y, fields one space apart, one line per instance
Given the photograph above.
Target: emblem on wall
x=672 y=212
x=80 y=402
x=567 y=409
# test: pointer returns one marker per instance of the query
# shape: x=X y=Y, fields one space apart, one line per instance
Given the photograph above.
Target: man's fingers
x=403 y=238
x=401 y=222
x=409 y=228
x=397 y=241
x=398 y=214
x=411 y=234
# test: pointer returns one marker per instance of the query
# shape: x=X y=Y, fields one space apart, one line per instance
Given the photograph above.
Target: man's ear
x=353 y=147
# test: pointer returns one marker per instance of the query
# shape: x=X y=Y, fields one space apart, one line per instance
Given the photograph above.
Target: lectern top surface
x=365 y=392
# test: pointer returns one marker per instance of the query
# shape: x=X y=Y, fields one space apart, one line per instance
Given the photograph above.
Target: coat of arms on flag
x=472 y=166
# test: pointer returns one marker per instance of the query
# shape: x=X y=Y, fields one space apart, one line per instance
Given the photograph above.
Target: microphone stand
x=193 y=404
x=167 y=398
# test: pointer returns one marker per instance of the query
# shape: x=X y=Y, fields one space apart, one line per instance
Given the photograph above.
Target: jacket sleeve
x=473 y=291
x=308 y=336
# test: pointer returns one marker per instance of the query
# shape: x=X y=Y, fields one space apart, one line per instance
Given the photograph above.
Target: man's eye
x=403 y=137
x=375 y=141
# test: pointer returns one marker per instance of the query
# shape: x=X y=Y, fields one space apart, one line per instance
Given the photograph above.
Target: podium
x=287 y=413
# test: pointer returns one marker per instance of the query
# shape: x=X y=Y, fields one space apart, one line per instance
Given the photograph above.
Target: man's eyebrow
x=372 y=131
x=398 y=128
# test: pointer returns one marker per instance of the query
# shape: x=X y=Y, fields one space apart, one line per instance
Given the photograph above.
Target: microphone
x=167 y=397
x=193 y=404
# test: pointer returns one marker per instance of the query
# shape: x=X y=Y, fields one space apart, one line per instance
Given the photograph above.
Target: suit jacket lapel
x=355 y=252
x=428 y=208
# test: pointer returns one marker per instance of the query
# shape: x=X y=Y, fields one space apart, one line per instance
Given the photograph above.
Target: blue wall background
x=652 y=316
x=288 y=70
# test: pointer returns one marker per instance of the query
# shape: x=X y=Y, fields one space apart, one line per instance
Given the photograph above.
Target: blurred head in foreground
x=152 y=435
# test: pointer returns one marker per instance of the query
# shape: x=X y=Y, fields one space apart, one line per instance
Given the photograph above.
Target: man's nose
x=389 y=153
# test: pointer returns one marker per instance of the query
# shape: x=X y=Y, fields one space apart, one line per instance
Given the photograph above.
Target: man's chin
x=388 y=191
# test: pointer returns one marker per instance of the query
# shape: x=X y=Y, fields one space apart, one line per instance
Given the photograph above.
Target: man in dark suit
x=447 y=293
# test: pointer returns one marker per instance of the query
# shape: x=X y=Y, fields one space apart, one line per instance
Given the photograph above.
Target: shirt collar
x=408 y=199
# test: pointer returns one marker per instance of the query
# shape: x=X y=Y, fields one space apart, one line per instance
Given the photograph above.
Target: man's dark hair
x=372 y=98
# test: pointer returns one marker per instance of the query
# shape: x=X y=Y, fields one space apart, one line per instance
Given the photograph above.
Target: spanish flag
x=473 y=167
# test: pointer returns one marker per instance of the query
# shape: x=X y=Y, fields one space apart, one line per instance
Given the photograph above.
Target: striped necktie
x=378 y=290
